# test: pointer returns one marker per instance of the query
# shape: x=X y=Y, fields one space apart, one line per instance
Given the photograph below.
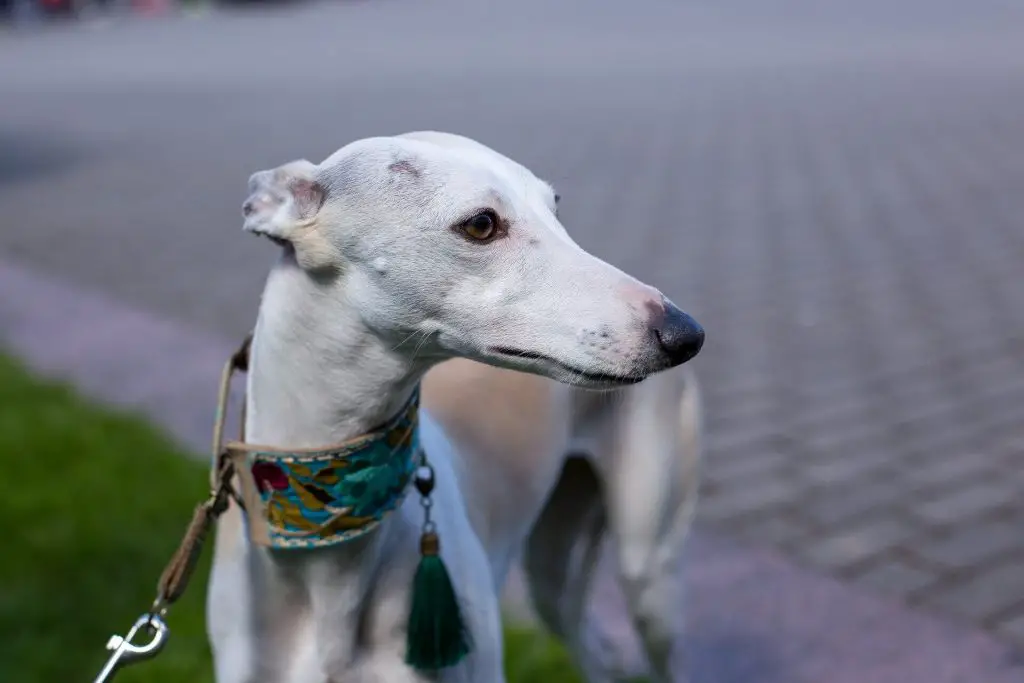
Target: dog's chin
x=540 y=364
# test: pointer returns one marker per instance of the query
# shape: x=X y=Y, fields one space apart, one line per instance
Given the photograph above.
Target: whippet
x=429 y=260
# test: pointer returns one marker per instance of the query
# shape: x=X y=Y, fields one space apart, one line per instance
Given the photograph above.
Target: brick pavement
x=836 y=196
x=750 y=614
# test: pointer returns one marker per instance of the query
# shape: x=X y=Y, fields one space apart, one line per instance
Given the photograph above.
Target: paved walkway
x=751 y=615
x=834 y=191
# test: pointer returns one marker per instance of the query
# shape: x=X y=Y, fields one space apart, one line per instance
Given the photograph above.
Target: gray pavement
x=751 y=614
x=833 y=190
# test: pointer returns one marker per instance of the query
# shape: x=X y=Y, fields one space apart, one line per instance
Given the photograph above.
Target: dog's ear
x=283 y=201
x=284 y=204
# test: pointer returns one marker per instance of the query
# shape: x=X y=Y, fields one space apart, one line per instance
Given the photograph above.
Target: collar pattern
x=323 y=497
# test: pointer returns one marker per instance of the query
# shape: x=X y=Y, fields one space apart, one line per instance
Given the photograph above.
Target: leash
x=436 y=635
x=176 y=576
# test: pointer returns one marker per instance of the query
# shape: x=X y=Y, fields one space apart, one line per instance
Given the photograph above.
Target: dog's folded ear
x=283 y=204
x=283 y=200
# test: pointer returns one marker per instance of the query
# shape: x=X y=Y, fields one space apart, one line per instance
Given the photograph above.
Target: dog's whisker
x=401 y=441
x=406 y=339
x=610 y=398
x=423 y=340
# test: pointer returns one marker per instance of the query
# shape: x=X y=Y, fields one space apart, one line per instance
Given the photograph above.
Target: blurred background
x=834 y=189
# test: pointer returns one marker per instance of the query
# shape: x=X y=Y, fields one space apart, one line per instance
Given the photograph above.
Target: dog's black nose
x=679 y=335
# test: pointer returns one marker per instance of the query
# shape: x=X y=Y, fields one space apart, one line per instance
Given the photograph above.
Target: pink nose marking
x=656 y=312
x=646 y=297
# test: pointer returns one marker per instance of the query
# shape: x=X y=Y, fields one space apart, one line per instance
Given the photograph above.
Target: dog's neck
x=317 y=375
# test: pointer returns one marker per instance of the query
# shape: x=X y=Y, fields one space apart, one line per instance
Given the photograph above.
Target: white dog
x=399 y=253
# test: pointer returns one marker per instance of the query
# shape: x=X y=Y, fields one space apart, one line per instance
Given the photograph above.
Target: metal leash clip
x=125 y=652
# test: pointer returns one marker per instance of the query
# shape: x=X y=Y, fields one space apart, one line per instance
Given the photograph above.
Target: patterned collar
x=311 y=498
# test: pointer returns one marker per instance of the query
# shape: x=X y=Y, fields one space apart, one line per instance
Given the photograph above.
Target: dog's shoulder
x=503 y=416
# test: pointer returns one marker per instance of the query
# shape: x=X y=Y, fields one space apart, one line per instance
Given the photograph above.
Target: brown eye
x=482 y=227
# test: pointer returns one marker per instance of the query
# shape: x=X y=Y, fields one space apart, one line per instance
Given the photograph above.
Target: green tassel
x=437 y=637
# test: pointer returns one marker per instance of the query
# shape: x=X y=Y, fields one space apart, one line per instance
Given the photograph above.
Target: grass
x=92 y=504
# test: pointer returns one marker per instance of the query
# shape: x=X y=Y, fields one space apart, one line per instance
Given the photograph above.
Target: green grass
x=92 y=504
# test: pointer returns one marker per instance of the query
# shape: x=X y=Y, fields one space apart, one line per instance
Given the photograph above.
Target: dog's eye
x=482 y=227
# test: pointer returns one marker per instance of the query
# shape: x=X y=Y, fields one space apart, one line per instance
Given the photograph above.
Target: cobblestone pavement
x=834 y=192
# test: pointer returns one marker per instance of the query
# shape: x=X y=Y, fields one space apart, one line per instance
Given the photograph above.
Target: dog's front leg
x=347 y=589
x=651 y=478
x=561 y=555
x=361 y=611
x=639 y=477
x=380 y=653
x=255 y=610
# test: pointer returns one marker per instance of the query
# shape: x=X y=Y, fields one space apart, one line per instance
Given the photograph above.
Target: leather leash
x=176 y=576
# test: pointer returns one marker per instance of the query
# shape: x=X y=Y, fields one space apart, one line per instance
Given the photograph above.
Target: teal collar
x=312 y=498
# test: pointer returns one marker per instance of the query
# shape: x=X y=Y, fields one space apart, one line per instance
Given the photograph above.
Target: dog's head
x=446 y=248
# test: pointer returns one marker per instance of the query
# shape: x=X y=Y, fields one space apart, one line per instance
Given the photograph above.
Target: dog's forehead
x=368 y=162
x=406 y=174
x=477 y=153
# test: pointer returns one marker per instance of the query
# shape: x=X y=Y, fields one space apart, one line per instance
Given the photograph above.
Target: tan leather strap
x=175 y=577
x=239 y=362
x=179 y=570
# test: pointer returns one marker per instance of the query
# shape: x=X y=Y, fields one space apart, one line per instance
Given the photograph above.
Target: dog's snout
x=679 y=336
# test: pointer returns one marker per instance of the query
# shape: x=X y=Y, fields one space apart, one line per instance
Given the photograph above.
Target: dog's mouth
x=567 y=373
